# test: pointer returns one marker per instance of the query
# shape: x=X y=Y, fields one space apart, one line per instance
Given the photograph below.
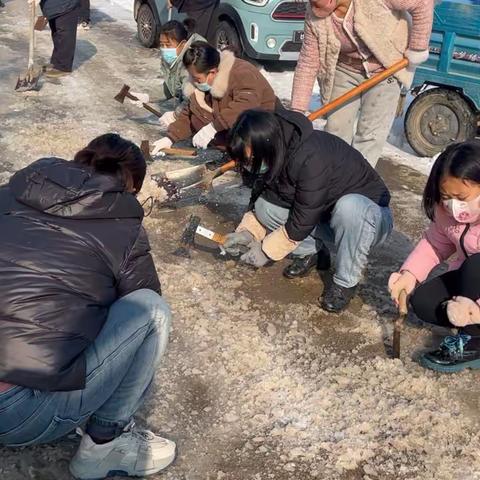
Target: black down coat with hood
x=319 y=169
x=71 y=244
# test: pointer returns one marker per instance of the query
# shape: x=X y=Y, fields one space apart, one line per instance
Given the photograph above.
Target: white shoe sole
x=110 y=473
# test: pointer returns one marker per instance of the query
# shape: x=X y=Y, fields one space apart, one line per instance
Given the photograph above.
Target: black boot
x=301 y=266
x=336 y=298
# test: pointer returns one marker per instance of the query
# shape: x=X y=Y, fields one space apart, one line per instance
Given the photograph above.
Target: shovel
x=397 y=326
x=30 y=80
x=201 y=175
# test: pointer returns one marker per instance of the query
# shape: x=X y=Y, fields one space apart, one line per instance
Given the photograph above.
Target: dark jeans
x=84 y=12
x=64 y=36
x=428 y=300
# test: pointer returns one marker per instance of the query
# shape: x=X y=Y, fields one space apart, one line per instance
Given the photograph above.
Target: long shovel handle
x=366 y=85
x=397 y=327
x=31 y=45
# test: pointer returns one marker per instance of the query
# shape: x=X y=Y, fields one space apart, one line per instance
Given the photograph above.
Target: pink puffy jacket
x=445 y=237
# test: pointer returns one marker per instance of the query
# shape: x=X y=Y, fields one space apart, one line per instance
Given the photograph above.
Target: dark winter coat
x=72 y=243
x=319 y=169
x=187 y=6
x=54 y=8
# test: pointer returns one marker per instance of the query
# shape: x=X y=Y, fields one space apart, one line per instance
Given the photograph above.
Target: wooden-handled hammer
x=125 y=92
x=188 y=236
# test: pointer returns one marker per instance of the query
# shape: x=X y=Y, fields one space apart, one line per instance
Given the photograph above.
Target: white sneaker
x=85 y=25
x=135 y=453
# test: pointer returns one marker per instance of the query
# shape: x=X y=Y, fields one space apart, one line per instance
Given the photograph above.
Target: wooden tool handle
x=227 y=166
x=146 y=106
x=366 y=85
x=218 y=238
x=402 y=303
x=397 y=326
x=184 y=152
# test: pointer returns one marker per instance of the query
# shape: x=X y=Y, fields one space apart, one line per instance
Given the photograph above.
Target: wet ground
x=258 y=383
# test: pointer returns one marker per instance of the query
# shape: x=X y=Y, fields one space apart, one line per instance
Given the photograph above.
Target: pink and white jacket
x=445 y=239
x=386 y=27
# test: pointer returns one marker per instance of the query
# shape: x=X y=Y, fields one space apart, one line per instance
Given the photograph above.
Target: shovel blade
x=28 y=82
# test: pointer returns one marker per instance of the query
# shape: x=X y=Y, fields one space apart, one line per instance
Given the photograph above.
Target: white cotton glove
x=142 y=98
x=401 y=281
x=204 y=136
x=415 y=58
x=167 y=118
x=160 y=144
x=462 y=311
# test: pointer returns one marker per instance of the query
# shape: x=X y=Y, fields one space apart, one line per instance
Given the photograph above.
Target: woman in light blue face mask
x=220 y=88
x=175 y=39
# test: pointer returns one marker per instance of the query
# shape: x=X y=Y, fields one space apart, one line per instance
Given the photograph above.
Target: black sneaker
x=302 y=266
x=453 y=355
x=336 y=298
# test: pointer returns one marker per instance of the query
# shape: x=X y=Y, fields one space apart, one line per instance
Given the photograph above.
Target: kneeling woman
x=221 y=87
x=452 y=202
x=83 y=325
x=316 y=189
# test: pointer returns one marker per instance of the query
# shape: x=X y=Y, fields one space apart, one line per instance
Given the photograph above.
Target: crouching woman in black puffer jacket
x=83 y=325
x=317 y=190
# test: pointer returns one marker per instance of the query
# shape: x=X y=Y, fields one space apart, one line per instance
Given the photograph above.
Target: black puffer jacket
x=71 y=244
x=318 y=170
x=54 y=8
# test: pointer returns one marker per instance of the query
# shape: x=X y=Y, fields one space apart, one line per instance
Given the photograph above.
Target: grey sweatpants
x=375 y=110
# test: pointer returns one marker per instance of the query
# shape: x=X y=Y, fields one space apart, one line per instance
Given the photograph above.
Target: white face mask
x=463 y=212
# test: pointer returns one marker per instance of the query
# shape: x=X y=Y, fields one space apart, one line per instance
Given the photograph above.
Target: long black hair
x=459 y=160
x=178 y=31
x=111 y=154
x=202 y=56
x=262 y=131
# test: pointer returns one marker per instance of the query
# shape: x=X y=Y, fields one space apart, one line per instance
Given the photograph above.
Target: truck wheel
x=147 y=27
x=226 y=35
x=437 y=118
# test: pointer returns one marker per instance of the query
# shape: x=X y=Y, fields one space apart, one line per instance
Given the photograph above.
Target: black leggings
x=428 y=299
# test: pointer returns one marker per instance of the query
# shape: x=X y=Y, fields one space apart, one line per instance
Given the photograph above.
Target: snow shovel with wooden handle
x=30 y=80
x=398 y=325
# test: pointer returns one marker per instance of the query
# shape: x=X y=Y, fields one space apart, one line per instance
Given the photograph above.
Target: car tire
x=437 y=118
x=226 y=35
x=147 y=28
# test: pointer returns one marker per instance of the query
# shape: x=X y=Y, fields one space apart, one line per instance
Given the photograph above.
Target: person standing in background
x=62 y=17
x=84 y=14
x=348 y=41
x=200 y=10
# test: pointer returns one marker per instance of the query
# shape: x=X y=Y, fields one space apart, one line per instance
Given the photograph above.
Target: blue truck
x=446 y=107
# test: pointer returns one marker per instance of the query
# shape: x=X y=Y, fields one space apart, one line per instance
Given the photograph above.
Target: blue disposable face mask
x=169 y=55
x=203 y=87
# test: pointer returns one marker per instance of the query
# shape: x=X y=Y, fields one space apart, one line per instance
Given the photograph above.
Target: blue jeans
x=121 y=364
x=356 y=226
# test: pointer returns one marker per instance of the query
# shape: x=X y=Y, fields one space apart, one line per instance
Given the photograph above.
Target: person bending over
x=83 y=325
x=451 y=201
x=316 y=189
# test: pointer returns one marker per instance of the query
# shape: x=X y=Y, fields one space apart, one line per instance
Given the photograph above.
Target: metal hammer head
x=188 y=237
x=120 y=97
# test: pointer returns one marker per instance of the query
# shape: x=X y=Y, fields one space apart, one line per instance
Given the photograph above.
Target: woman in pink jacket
x=452 y=201
x=347 y=41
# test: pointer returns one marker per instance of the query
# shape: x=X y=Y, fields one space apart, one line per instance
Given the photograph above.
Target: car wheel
x=226 y=36
x=437 y=118
x=147 y=27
